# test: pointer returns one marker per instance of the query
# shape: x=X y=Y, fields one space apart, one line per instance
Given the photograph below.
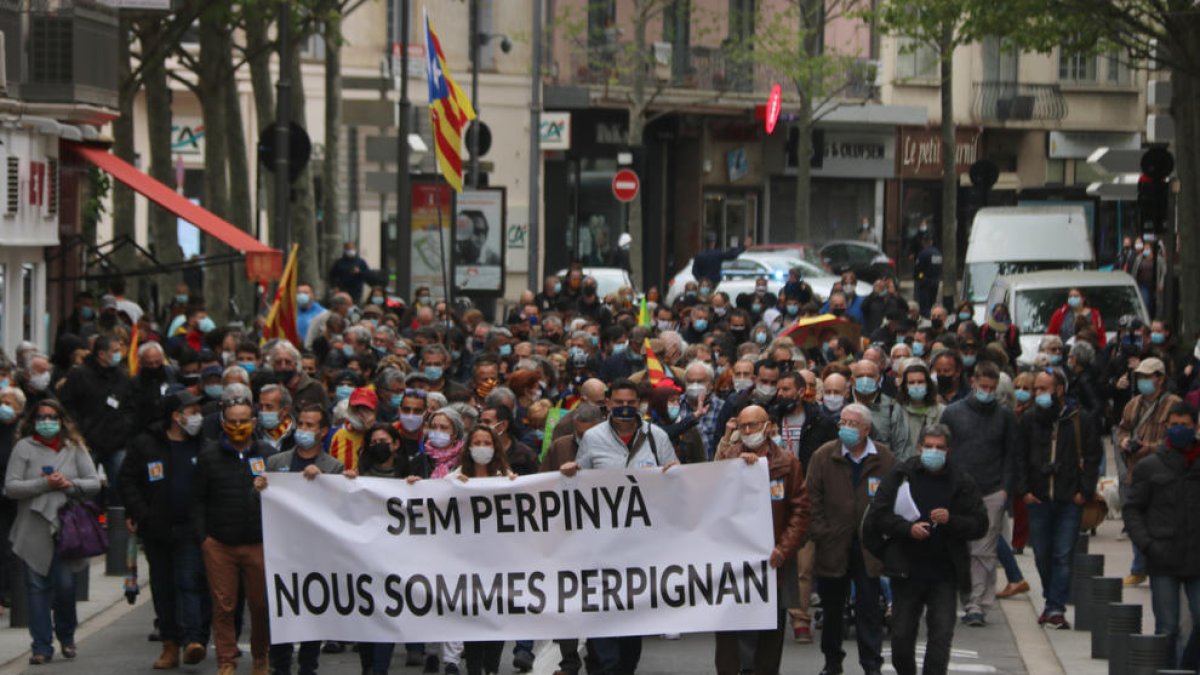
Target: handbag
x=80 y=534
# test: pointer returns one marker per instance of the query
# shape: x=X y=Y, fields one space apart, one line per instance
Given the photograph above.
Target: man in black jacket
x=923 y=516
x=1162 y=516
x=227 y=516
x=1057 y=464
x=149 y=386
x=97 y=394
x=156 y=487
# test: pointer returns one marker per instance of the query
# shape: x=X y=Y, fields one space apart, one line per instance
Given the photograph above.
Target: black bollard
x=83 y=583
x=18 y=609
x=1086 y=566
x=1102 y=591
x=1124 y=621
x=1148 y=654
x=1081 y=543
x=115 y=563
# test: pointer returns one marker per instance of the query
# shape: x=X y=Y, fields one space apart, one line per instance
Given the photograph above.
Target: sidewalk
x=106 y=603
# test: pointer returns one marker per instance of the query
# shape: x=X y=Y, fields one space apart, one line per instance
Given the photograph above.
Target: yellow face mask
x=238 y=432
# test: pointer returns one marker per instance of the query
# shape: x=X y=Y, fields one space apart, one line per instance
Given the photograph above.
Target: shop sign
x=920 y=151
x=555 y=130
x=1081 y=144
x=856 y=155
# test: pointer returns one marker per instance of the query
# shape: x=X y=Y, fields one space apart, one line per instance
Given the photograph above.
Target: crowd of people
x=912 y=421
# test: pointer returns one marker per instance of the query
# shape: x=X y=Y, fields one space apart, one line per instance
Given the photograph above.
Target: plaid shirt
x=708 y=422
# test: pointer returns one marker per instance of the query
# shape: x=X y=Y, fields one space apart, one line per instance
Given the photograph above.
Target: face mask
x=505 y=350
x=1157 y=338
x=786 y=406
x=249 y=367
x=47 y=428
x=7 y=414
x=269 y=420
x=793 y=310
x=765 y=392
x=40 y=381
x=1055 y=359
x=834 y=402
x=1180 y=437
x=594 y=339
x=933 y=459
x=760 y=338
x=837 y=311
x=849 y=436
x=378 y=452
x=1146 y=253
x=865 y=386
x=376 y=299
x=1001 y=317
x=305 y=439
x=918 y=348
x=720 y=311
x=705 y=291
x=343 y=392
x=1044 y=401
x=673 y=411
x=1074 y=301
x=434 y=372
x=917 y=392
x=348 y=350
x=482 y=454
x=558 y=287
x=115 y=359
x=964 y=316
x=700 y=325
x=87 y=313
x=238 y=433
x=624 y=412
x=754 y=441
x=1022 y=395
x=192 y=423
x=424 y=300
x=214 y=391
x=206 y=325
x=351 y=253
x=694 y=391
x=690 y=294
x=969 y=360
x=664 y=324
x=303 y=299
x=284 y=376
x=1146 y=386
x=620 y=347
x=411 y=423
x=985 y=396
x=742 y=383
x=395 y=400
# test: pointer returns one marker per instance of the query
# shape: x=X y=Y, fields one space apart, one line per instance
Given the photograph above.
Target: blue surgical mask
x=434 y=372
x=47 y=428
x=506 y=350
x=181 y=299
x=760 y=338
x=757 y=307
x=87 y=313
x=305 y=439
x=985 y=396
x=343 y=392
x=377 y=299
x=395 y=400
x=1146 y=386
x=917 y=392
x=348 y=349
x=558 y=287
x=1023 y=395
x=933 y=459
x=793 y=310
x=594 y=339
x=7 y=414
x=303 y=299
x=1157 y=338
x=248 y=367
x=438 y=439
x=620 y=347
x=1055 y=359
x=1044 y=401
x=269 y=420
x=964 y=316
x=1074 y=301
x=865 y=385
x=969 y=360
x=700 y=325
x=456 y=355
x=849 y=436
x=214 y=391
x=115 y=359
x=206 y=325
x=673 y=411
x=918 y=348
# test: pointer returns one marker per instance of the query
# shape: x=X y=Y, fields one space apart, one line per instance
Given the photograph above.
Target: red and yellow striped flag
x=132 y=359
x=654 y=367
x=281 y=320
x=449 y=110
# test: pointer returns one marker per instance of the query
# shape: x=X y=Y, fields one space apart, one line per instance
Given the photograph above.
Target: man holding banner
x=761 y=651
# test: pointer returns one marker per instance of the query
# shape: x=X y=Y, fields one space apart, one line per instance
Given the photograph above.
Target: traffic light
x=1154 y=190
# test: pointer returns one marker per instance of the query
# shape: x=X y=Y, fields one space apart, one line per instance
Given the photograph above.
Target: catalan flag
x=132 y=359
x=654 y=367
x=281 y=320
x=449 y=110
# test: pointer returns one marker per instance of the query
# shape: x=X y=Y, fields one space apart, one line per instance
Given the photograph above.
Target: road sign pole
x=283 y=118
x=403 y=182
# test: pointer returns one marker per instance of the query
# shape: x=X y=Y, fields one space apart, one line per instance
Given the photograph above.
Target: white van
x=1033 y=298
x=1017 y=239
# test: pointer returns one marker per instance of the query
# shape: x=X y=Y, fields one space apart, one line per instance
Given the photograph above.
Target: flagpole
x=442 y=247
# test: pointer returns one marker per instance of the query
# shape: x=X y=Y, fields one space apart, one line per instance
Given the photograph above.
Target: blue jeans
x=179 y=587
x=375 y=657
x=1164 y=598
x=1012 y=571
x=281 y=658
x=1138 y=566
x=616 y=655
x=112 y=469
x=1053 y=529
x=53 y=594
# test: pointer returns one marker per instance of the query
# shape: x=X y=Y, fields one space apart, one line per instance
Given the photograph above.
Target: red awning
x=262 y=261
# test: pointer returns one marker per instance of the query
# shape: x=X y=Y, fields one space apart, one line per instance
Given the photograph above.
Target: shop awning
x=262 y=261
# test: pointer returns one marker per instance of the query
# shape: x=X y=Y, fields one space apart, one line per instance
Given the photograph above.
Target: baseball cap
x=364 y=397
x=1151 y=366
x=211 y=370
x=181 y=398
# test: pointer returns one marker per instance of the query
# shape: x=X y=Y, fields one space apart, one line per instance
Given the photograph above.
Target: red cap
x=667 y=384
x=365 y=397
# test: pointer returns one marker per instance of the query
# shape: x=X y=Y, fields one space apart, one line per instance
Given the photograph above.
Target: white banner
x=604 y=553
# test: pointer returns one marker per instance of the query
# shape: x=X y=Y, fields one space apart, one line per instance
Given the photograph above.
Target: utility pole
x=403 y=181
x=283 y=119
x=475 y=44
x=535 y=147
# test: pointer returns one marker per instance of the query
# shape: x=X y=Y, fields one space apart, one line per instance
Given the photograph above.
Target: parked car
x=1020 y=239
x=1033 y=298
x=738 y=275
x=806 y=252
x=608 y=280
x=866 y=260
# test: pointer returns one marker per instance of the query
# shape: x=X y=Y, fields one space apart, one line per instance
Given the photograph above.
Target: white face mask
x=192 y=424
x=834 y=402
x=755 y=440
x=694 y=390
x=742 y=384
x=40 y=381
x=482 y=454
x=765 y=391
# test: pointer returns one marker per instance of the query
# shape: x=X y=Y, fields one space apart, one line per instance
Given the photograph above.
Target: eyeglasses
x=416 y=393
x=46 y=418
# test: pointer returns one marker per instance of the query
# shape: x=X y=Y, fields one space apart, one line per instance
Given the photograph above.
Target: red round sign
x=625 y=185
x=774 y=106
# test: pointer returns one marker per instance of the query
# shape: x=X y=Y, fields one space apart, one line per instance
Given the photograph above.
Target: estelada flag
x=654 y=367
x=132 y=359
x=281 y=320
x=449 y=110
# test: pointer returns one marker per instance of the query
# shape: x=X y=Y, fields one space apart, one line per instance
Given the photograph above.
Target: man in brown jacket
x=842 y=479
x=760 y=652
x=1142 y=429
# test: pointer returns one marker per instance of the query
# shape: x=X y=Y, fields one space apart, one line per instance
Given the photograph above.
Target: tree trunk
x=803 y=213
x=164 y=233
x=949 y=169
x=331 y=230
x=1185 y=108
x=637 y=131
x=214 y=54
x=257 y=22
x=124 y=206
x=241 y=191
x=303 y=208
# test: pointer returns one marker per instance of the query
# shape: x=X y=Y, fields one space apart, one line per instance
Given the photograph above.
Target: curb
x=1033 y=644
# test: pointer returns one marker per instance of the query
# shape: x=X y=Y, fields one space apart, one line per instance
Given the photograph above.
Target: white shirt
x=869 y=451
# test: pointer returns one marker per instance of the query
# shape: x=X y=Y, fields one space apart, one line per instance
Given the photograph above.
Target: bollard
x=1124 y=620
x=115 y=562
x=1081 y=543
x=83 y=583
x=1147 y=654
x=18 y=608
x=1102 y=591
x=1086 y=566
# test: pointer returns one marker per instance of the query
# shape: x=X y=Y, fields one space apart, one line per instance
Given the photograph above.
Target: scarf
x=444 y=459
x=54 y=444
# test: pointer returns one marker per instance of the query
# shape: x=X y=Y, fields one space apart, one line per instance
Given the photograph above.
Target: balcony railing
x=1018 y=102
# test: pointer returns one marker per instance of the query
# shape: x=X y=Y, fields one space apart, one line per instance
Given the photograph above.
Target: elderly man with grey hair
x=843 y=476
x=700 y=401
x=275 y=418
x=284 y=360
x=1081 y=384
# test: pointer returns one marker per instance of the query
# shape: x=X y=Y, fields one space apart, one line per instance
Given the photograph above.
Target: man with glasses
x=842 y=479
x=285 y=362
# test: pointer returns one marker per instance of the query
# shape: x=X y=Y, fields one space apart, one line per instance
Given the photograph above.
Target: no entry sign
x=774 y=105
x=625 y=185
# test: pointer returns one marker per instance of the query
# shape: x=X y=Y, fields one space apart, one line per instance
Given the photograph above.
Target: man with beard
x=766 y=382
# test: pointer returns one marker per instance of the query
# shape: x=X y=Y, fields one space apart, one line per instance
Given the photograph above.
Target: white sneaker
x=670 y=636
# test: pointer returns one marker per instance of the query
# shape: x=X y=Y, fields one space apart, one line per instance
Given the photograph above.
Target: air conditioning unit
x=663 y=53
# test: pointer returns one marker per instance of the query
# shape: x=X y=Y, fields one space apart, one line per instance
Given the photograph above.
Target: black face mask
x=378 y=453
x=938 y=324
x=625 y=413
x=837 y=312
x=946 y=385
x=785 y=406
x=284 y=376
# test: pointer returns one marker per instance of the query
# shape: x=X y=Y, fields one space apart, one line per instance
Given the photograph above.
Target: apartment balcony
x=60 y=51
x=697 y=68
x=1018 y=102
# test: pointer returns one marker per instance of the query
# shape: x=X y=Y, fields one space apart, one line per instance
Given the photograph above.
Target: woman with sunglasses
x=50 y=465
